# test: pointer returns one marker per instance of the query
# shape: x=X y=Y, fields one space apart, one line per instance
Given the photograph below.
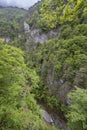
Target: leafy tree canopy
x=77 y=114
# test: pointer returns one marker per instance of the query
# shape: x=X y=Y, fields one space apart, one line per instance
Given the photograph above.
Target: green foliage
x=33 y=13
x=49 y=67
x=59 y=59
x=57 y=12
x=12 y=78
x=11 y=22
x=81 y=29
x=66 y=31
x=77 y=114
x=18 y=108
x=84 y=18
x=71 y=55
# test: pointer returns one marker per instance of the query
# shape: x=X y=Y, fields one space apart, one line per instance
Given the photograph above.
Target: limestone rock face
x=47 y=117
x=6 y=39
x=26 y=27
x=38 y=37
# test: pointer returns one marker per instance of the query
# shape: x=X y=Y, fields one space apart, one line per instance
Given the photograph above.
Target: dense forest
x=43 y=66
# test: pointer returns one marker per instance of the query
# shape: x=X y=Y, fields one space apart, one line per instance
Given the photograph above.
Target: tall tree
x=77 y=114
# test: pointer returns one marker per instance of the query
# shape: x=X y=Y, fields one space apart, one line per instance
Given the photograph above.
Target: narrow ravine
x=52 y=120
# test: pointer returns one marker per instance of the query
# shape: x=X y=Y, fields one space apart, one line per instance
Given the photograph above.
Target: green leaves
x=18 y=108
x=77 y=115
x=10 y=22
x=59 y=12
x=12 y=78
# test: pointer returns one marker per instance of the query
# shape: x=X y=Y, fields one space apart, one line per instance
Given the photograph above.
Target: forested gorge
x=50 y=75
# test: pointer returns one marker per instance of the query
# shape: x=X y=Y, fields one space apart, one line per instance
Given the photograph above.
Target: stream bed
x=49 y=118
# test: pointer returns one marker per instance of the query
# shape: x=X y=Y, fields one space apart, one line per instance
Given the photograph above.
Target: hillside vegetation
x=11 y=21
x=62 y=62
x=52 y=74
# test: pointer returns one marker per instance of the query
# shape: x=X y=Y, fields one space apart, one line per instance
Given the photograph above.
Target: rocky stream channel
x=52 y=120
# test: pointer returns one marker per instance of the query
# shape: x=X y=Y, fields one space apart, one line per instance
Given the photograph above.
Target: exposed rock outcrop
x=6 y=39
x=26 y=27
x=38 y=36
